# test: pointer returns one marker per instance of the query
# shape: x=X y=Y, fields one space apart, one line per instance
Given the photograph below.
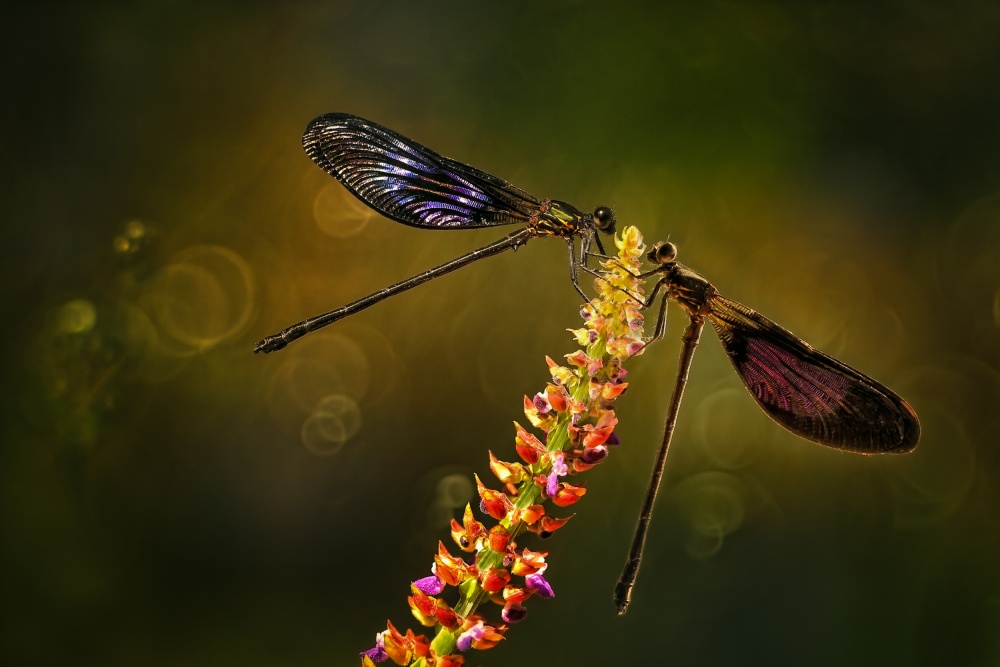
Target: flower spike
x=575 y=426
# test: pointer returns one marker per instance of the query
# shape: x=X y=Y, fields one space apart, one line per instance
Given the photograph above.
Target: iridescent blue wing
x=810 y=393
x=409 y=183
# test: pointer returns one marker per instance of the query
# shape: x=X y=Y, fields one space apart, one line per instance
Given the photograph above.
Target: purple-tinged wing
x=810 y=393
x=409 y=183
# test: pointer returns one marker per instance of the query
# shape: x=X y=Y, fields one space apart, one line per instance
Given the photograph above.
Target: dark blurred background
x=168 y=498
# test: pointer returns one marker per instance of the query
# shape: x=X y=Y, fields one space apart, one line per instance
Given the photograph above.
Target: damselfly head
x=663 y=252
x=604 y=217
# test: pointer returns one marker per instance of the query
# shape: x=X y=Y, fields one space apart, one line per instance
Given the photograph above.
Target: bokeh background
x=168 y=498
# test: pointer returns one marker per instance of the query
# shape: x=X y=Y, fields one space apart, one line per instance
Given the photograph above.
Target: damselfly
x=413 y=185
x=809 y=393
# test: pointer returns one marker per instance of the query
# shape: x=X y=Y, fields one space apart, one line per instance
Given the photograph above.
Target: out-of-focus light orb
x=712 y=504
x=134 y=235
x=336 y=419
x=207 y=295
x=454 y=490
x=135 y=229
x=729 y=427
x=322 y=373
x=338 y=213
x=76 y=317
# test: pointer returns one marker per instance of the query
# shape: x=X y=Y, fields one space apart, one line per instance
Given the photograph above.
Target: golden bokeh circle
x=206 y=296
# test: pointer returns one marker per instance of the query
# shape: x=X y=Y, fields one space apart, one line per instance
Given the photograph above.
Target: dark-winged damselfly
x=804 y=390
x=416 y=186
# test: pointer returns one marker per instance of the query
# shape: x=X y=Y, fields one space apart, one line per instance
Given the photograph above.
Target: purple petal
x=429 y=585
x=559 y=466
x=536 y=584
x=465 y=639
x=552 y=484
x=541 y=404
x=559 y=469
x=513 y=612
x=594 y=454
x=377 y=653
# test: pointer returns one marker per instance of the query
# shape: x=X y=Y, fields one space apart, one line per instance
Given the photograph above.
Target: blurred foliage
x=167 y=498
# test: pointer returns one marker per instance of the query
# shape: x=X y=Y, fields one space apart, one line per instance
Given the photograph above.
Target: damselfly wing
x=808 y=392
x=410 y=183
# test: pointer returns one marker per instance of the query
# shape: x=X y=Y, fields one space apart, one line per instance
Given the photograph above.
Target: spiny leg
x=643 y=303
x=573 y=266
x=602 y=276
x=600 y=246
x=661 y=318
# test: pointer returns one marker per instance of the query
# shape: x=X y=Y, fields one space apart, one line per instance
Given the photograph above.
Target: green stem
x=528 y=494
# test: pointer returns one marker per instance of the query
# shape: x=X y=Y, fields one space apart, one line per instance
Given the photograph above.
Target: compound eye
x=605 y=219
x=663 y=253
